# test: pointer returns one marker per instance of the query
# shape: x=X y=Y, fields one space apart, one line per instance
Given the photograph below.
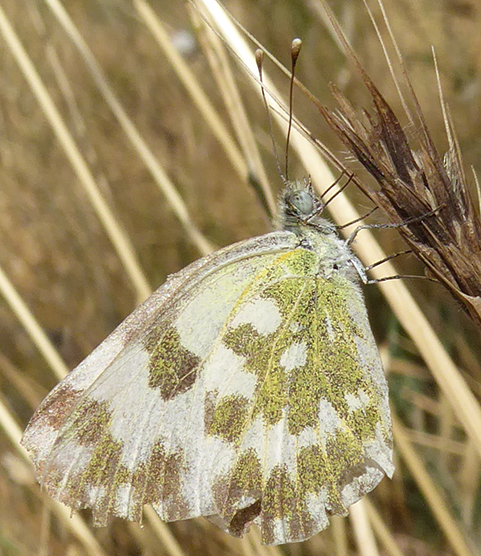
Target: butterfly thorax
x=299 y=213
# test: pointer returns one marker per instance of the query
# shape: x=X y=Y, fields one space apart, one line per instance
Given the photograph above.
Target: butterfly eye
x=303 y=202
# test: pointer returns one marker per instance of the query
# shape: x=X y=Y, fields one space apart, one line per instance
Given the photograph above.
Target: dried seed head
x=414 y=180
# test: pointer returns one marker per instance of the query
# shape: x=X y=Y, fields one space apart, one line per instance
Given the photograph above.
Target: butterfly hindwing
x=312 y=434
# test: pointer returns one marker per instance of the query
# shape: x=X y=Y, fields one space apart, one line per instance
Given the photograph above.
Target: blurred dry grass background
x=62 y=263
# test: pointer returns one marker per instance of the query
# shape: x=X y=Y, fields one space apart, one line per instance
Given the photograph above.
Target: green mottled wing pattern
x=248 y=388
x=313 y=434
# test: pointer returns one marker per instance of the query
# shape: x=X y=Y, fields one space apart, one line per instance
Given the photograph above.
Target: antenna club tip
x=259 y=54
x=296 y=46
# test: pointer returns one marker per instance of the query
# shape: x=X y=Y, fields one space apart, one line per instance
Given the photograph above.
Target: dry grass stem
x=163 y=532
x=116 y=234
x=192 y=86
x=363 y=533
x=31 y=325
x=338 y=526
x=437 y=504
x=22 y=383
x=382 y=531
x=444 y=446
x=216 y=54
x=160 y=176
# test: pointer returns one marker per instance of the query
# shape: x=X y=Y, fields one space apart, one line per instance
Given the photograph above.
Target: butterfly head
x=300 y=207
x=300 y=202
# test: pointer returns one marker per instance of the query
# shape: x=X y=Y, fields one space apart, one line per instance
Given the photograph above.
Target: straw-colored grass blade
x=217 y=56
x=436 y=502
x=192 y=86
x=116 y=234
x=33 y=328
x=145 y=153
x=382 y=530
x=164 y=534
x=363 y=533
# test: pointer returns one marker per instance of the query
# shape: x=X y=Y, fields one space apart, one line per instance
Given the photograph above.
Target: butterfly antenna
x=333 y=184
x=296 y=46
x=259 y=61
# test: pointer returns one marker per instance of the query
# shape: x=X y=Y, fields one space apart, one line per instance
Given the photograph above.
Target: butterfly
x=247 y=389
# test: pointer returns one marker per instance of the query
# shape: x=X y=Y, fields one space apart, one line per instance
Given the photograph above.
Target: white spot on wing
x=254 y=436
x=244 y=502
x=223 y=372
x=363 y=397
x=316 y=506
x=370 y=360
x=122 y=500
x=279 y=530
x=219 y=457
x=68 y=462
x=357 y=402
x=353 y=491
x=96 y=362
x=118 y=378
x=262 y=314
x=76 y=457
x=40 y=438
x=380 y=452
x=280 y=448
x=295 y=356
x=294 y=327
x=94 y=494
x=353 y=402
x=307 y=437
x=330 y=330
x=329 y=421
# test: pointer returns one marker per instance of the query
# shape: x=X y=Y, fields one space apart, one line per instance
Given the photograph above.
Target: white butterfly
x=248 y=388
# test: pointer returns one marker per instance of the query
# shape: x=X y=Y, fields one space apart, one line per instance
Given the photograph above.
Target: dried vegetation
x=130 y=143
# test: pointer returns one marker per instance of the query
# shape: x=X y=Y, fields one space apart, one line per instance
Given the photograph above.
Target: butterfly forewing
x=109 y=407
